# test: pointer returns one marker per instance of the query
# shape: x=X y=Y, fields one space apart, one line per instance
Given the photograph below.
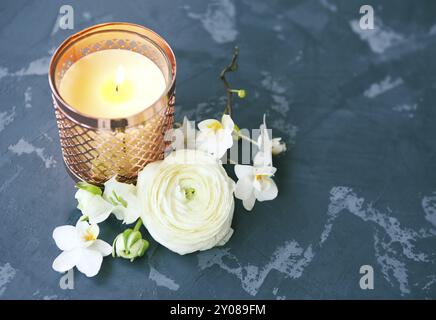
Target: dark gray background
x=357 y=186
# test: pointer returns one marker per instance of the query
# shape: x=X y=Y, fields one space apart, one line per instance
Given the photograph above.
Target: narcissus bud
x=241 y=92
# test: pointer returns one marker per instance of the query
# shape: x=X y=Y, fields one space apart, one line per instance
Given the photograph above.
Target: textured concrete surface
x=357 y=187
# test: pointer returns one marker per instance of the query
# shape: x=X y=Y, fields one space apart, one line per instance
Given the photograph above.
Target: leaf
x=89 y=187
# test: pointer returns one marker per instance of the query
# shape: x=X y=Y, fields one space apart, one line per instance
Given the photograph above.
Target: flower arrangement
x=186 y=201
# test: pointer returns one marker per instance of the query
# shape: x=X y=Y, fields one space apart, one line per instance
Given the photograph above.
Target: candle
x=112 y=84
x=113 y=88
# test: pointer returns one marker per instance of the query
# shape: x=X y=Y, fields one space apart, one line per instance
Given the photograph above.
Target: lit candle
x=113 y=88
x=112 y=84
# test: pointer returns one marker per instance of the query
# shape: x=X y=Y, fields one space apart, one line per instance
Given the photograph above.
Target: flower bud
x=278 y=146
x=242 y=93
x=129 y=245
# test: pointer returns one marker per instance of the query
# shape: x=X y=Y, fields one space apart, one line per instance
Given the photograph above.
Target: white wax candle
x=112 y=84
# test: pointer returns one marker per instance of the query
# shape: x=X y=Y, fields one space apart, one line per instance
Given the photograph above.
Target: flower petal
x=101 y=246
x=269 y=190
x=244 y=188
x=242 y=171
x=262 y=159
x=121 y=189
x=227 y=122
x=85 y=229
x=90 y=262
x=94 y=207
x=249 y=202
x=267 y=170
x=226 y=238
x=67 y=260
x=127 y=192
x=205 y=125
x=66 y=237
x=133 y=210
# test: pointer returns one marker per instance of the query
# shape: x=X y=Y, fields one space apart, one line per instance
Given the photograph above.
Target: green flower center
x=189 y=193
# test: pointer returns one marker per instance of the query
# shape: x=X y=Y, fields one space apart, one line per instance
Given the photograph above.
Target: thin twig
x=233 y=66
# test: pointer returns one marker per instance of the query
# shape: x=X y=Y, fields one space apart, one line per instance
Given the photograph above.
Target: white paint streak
x=281 y=104
x=86 y=15
x=330 y=6
x=162 y=280
x=429 y=206
x=275 y=291
x=287 y=128
x=218 y=20
x=279 y=30
x=345 y=198
x=38 y=67
x=24 y=147
x=380 y=38
x=271 y=84
x=7 y=273
x=408 y=109
x=393 y=243
x=55 y=28
x=28 y=97
x=390 y=265
x=339 y=201
x=430 y=283
x=10 y=180
x=289 y=259
x=6 y=118
x=3 y=72
x=381 y=87
x=48 y=137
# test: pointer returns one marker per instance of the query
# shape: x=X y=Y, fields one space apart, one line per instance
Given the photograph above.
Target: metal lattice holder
x=94 y=150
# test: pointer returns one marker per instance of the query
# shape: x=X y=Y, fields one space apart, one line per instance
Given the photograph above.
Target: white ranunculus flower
x=187 y=201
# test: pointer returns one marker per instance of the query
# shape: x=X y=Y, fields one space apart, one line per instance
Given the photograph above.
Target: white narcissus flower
x=267 y=147
x=215 y=137
x=184 y=137
x=187 y=201
x=255 y=183
x=118 y=198
x=263 y=157
x=93 y=205
x=80 y=247
x=124 y=199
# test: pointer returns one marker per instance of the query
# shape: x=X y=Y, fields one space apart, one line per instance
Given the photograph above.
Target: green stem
x=137 y=225
x=245 y=138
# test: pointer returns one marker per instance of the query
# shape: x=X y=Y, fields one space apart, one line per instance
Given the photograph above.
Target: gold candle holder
x=93 y=149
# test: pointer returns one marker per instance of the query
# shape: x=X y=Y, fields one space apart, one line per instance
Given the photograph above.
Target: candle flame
x=119 y=77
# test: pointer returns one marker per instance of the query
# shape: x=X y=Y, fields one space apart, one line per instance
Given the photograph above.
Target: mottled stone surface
x=357 y=186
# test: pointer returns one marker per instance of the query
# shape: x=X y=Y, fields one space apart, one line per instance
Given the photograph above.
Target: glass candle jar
x=96 y=148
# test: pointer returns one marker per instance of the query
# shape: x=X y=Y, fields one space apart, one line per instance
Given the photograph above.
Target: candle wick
x=116 y=88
